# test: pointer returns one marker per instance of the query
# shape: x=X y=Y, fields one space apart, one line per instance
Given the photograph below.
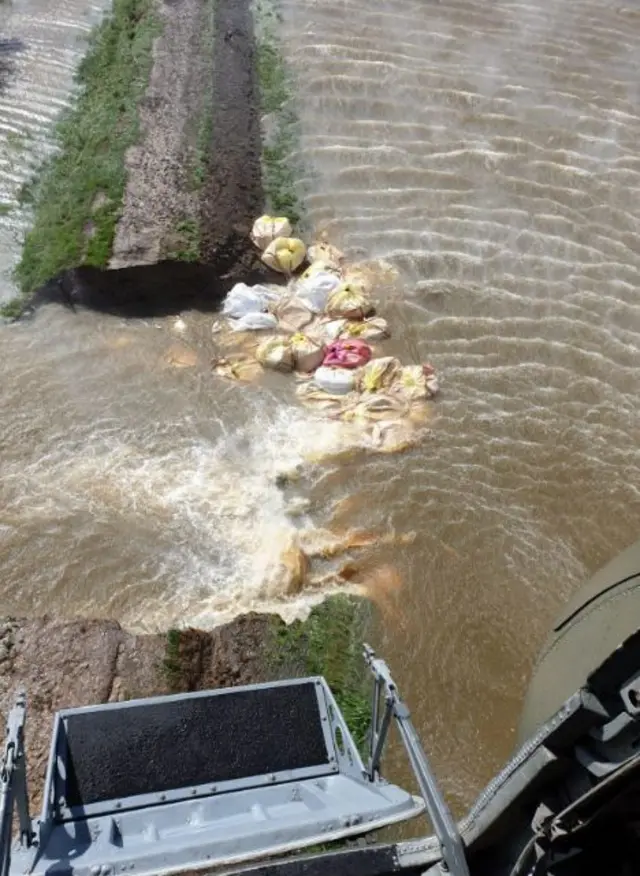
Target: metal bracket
x=13 y=784
x=451 y=845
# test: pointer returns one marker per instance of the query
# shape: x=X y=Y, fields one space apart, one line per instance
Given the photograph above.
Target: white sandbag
x=350 y=301
x=284 y=254
x=276 y=353
x=307 y=354
x=337 y=381
x=254 y=322
x=316 y=290
x=243 y=299
x=267 y=228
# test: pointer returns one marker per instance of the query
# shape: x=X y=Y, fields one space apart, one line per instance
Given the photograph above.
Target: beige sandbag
x=325 y=252
x=292 y=314
x=288 y=575
x=320 y=266
x=379 y=374
x=332 y=329
x=373 y=329
x=243 y=370
x=284 y=254
x=307 y=354
x=267 y=228
x=276 y=353
x=381 y=406
x=311 y=394
x=349 y=301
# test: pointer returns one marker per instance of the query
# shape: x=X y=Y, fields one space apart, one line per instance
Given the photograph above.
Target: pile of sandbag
x=322 y=324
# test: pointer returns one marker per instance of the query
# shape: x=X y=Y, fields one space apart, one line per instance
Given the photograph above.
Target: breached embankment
x=183 y=183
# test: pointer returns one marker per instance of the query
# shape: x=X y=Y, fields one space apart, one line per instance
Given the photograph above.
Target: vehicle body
x=228 y=780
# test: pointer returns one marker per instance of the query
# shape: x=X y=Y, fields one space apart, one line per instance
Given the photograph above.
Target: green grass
x=186 y=241
x=172 y=665
x=329 y=643
x=83 y=184
x=279 y=169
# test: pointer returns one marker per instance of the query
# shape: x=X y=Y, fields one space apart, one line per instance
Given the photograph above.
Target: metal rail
x=384 y=687
x=13 y=785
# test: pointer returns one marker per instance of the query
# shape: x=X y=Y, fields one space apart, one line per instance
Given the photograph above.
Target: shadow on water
x=8 y=48
x=143 y=291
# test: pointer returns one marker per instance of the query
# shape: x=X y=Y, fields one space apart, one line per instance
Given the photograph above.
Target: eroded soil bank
x=83 y=662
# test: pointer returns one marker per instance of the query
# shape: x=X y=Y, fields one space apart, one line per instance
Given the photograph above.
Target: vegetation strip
x=77 y=195
x=329 y=643
x=280 y=133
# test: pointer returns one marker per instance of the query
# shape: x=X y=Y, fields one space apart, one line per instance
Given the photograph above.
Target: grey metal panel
x=219 y=830
x=57 y=808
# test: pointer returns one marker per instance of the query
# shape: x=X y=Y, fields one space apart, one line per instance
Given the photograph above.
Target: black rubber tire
x=600 y=616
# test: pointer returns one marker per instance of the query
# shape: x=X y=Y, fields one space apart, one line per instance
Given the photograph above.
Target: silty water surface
x=489 y=151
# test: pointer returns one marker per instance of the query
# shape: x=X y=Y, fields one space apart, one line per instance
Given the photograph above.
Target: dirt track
x=195 y=64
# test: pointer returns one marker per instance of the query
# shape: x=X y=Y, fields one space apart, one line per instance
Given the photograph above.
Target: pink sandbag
x=347 y=354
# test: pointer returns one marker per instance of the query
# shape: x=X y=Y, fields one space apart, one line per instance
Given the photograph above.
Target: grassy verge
x=329 y=643
x=77 y=195
x=279 y=168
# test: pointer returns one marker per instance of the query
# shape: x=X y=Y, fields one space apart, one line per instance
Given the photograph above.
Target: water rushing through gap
x=489 y=152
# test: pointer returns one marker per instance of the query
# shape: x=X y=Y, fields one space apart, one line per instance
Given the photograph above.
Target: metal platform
x=181 y=782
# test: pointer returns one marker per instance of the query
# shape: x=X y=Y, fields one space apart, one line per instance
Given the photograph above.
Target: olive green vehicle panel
x=599 y=617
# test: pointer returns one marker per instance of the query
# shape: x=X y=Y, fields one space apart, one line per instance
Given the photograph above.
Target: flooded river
x=489 y=152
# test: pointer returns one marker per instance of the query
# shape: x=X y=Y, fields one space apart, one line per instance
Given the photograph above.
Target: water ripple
x=489 y=152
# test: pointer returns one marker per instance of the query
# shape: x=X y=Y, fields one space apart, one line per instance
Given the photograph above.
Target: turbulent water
x=41 y=44
x=488 y=152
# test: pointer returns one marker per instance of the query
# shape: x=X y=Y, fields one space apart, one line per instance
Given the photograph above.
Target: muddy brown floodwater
x=489 y=153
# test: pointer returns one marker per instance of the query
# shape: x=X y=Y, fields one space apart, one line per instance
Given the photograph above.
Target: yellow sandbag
x=379 y=374
x=349 y=301
x=284 y=254
x=320 y=266
x=327 y=253
x=276 y=353
x=267 y=228
x=307 y=354
x=416 y=382
x=373 y=329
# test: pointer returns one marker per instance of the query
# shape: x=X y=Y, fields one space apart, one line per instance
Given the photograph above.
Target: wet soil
x=232 y=195
x=78 y=663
